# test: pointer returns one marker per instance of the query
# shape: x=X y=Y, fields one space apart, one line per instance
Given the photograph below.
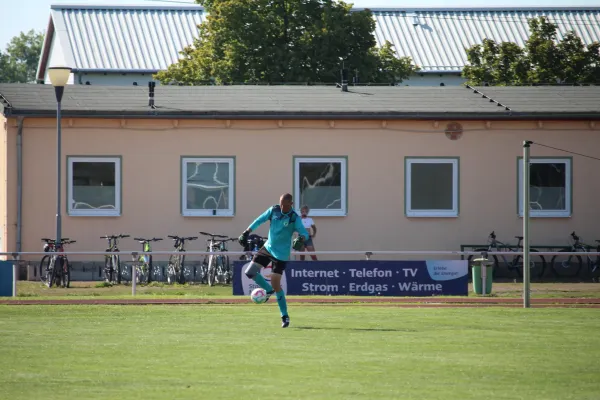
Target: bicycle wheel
x=594 y=268
x=212 y=271
x=116 y=265
x=146 y=274
x=227 y=270
x=223 y=271
x=51 y=272
x=44 y=269
x=172 y=269
x=126 y=273
x=107 y=268
x=537 y=264
x=220 y=276
x=180 y=277
x=189 y=274
x=203 y=271
x=566 y=266
x=141 y=273
x=65 y=268
x=150 y=269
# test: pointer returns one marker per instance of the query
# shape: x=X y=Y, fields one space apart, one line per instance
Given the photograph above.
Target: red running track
x=373 y=301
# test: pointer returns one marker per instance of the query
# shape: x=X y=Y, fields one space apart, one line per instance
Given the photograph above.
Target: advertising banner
x=364 y=278
x=6 y=278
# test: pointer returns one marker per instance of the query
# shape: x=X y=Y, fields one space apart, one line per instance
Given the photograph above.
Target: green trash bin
x=477 y=286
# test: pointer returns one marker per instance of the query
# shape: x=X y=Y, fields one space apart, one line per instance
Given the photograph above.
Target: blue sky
x=23 y=15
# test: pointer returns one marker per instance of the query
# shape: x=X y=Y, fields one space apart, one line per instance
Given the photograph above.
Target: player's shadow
x=326 y=328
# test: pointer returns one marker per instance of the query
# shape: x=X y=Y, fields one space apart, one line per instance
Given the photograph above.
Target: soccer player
x=284 y=222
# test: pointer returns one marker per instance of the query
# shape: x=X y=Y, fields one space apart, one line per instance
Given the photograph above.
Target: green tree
x=275 y=41
x=19 y=62
x=543 y=59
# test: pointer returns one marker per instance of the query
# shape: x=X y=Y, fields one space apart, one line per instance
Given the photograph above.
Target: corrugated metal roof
x=436 y=39
x=127 y=37
x=148 y=38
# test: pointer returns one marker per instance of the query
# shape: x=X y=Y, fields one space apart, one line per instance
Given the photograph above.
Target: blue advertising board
x=6 y=278
x=364 y=278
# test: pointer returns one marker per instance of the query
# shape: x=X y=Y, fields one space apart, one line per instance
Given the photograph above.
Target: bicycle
x=217 y=267
x=112 y=264
x=537 y=263
x=595 y=265
x=254 y=244
x=143 y=266
x=572 y=269
x=176 y=261
x=55 y=269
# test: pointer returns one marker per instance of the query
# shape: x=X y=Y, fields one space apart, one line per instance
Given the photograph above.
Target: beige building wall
x=8 y=177
x=3 y=183
x=151 y=151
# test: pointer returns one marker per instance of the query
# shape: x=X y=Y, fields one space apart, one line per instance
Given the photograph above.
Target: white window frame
x=453 y=213
x=315 y=212
x=94 y=213
x=230 y=212
x=568 y=211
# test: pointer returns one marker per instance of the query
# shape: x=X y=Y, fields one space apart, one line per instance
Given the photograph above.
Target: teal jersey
x=281 y=231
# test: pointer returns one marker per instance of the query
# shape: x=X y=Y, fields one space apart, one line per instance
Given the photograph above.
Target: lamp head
x=59 y=75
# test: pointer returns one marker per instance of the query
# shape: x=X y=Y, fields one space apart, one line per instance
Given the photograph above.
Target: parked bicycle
x=143 y=264
x=537 y=263
x=253 y=244
x=595 y=265
x=175 y=268
x=55 y=269
x=112 y=262
x=569 y=265
x=217 y=267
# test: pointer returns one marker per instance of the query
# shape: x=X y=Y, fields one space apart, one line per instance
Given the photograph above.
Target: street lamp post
x=59 y=76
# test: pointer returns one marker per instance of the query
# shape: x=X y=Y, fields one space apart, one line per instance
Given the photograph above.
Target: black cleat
x=285 y=321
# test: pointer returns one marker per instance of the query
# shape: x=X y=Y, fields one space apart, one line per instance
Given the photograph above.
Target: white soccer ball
x=258 y=295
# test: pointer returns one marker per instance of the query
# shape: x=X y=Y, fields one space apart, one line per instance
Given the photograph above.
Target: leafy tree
x=19 y=62
x=543 y=59
x=276 y=41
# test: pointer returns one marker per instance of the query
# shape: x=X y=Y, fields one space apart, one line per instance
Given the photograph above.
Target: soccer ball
x=259 y=295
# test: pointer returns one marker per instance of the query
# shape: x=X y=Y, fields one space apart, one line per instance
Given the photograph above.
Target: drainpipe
x=19 y=181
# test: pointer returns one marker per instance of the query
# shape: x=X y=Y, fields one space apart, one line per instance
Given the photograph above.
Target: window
x=431 y=187
x=94 y=186
x=550 y=186
x=207 y=186
x=320 y=183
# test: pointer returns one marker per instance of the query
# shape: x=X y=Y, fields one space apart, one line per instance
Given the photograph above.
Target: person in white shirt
x=309 y=225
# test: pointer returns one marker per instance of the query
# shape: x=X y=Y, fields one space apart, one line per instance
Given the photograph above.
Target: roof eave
x=191 y=7
x=155 y=114
x=479 y=9
x=154 y=71
x=45 y=51
x=114 y=71
x=457 y=70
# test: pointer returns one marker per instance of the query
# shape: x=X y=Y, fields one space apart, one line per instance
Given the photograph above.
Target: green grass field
x=329 y=352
